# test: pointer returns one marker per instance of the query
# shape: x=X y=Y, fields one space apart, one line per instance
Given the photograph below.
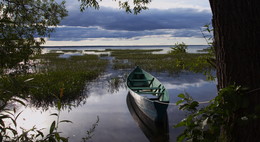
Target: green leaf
x=55 y=114
x=19 y=101
x=4 y=117
x=189 y=121
x=193 y=105
x=181 y=96
x=182 y=123
x=39 y=134
x=1 y=138
x=181 y=137
x=51 y=139
x=12 y=130
x=57 y=136
x=59 y=105
x=67 y=121
x=18 y=115
x=52 y=127
x=64 y=139
x=205 y=122
x=27 y=80
x=14 y=122
x=183 y=107
x=2 y=124
x=180 y=101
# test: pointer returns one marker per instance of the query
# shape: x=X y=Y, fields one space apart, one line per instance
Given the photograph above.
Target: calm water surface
x=108 y=103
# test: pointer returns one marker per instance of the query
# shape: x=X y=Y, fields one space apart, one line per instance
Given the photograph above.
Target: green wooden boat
x=155 y=131
x=149 y=93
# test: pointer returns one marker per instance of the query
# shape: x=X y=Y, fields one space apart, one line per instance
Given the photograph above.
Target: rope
x=174 y=104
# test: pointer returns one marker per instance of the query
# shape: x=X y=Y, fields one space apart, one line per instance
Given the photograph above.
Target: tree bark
x=236 y=26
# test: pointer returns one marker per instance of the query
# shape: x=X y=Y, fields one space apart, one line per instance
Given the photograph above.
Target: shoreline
x=93 y=46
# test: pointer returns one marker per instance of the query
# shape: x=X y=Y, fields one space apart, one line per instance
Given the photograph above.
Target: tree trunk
x=236 y=26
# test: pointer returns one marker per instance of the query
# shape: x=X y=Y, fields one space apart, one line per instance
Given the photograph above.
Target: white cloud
x=145 y=40
x=168 y=4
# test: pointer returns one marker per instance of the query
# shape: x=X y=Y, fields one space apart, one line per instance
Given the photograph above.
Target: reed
x=116 y=52
x=69 y=74
x=92 y=50
x=171 y=63
x=64 y=51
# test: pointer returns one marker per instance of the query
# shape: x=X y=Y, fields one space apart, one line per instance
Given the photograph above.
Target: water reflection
x=115 y=83
x=68 y=102
x=116 y=123
x=155 y=131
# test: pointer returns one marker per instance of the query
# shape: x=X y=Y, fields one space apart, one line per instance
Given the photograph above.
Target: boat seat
x=145 y=88
x=156 y=95
x=153 y=93
x=138 y=73
x=140 y=80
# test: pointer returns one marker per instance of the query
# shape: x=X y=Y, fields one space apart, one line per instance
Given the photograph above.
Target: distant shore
x=83 y=46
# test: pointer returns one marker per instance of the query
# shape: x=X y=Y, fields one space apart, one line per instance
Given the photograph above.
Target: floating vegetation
x=90 y=50
x=64 y=51
x=104 y=55
x=131 y=51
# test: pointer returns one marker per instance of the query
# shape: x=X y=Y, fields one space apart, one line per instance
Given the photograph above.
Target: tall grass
x=171 y=63
x=67 y=74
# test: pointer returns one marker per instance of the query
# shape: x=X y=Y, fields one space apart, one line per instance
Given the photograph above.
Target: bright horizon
x=165 y=23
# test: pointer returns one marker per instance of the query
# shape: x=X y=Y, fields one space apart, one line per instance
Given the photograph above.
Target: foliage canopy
x=24 y=24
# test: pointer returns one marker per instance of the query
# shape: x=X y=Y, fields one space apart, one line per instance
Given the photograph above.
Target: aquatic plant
x=171 y=63
x=70 y=74
x=178 y=48
x=53 y=74
x=90 y=132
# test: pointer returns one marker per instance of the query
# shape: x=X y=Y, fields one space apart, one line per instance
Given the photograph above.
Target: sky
x=166 y=22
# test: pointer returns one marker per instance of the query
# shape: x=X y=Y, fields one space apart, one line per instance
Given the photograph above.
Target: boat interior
x=146 y=87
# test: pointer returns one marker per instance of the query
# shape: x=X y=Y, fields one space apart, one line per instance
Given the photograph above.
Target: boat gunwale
x=165 y=93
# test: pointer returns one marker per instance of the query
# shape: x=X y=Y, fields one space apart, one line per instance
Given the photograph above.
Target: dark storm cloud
x=111 y=23
x=152 y=19
x=79 y=33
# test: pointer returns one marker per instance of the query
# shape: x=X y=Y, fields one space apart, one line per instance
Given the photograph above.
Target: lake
x=107 y=104
x=165 y=48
